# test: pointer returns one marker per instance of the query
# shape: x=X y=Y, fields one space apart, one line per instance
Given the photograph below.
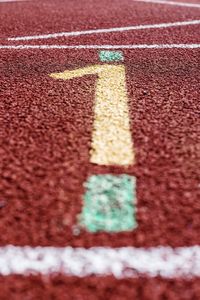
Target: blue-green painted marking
x=109 y=203
x=106 y=56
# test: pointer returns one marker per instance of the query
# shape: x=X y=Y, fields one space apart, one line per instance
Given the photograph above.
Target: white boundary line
x=136 y=46
x=195 y=5
x=101 y=261
x=108 y=30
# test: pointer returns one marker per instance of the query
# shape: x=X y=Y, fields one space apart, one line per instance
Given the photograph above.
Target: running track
x=45 y=139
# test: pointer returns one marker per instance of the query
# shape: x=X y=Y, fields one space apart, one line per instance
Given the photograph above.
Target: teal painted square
x=109 y=203
x=110 y=56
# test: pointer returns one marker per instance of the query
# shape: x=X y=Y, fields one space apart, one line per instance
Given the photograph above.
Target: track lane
x=46 y=175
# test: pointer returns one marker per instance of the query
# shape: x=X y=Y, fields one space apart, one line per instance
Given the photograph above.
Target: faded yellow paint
x=111 y=136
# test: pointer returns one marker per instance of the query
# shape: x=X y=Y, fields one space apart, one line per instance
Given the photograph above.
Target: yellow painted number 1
x=111 y=137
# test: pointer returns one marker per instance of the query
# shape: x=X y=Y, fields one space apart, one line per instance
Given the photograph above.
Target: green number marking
x=111 y=56
x=109 y=203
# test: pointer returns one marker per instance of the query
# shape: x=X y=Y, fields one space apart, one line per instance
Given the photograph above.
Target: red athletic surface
x=45 y=135
x=101 y=288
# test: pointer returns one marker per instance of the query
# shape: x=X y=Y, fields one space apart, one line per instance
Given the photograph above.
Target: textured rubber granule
x=101 y=288
x=46 y=131
x=50 y=16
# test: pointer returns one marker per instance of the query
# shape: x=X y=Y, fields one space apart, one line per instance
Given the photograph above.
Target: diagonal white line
x=137 y=46
x=120 y=262
x=108 y=30
x=195 y=5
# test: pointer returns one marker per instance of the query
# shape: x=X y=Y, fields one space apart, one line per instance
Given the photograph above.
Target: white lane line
x=121 y=262
x=136 y=46
x=108 y=30
x=195 y=5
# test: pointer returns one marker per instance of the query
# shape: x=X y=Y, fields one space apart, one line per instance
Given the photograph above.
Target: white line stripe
x=95 y=31
x=136 y=46
x=120 y=262
x=195 y=5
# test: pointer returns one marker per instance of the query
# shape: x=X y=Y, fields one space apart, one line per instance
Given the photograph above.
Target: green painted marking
x=109 y=203
x=111 y=56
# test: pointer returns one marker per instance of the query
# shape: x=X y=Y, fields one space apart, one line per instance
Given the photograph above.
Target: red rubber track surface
x=45 y=136
x=50 y=16
x=101 y=288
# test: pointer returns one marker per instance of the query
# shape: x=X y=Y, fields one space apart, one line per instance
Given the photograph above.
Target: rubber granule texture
x=46 y=130
x=46 y=133
x=59 y=287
